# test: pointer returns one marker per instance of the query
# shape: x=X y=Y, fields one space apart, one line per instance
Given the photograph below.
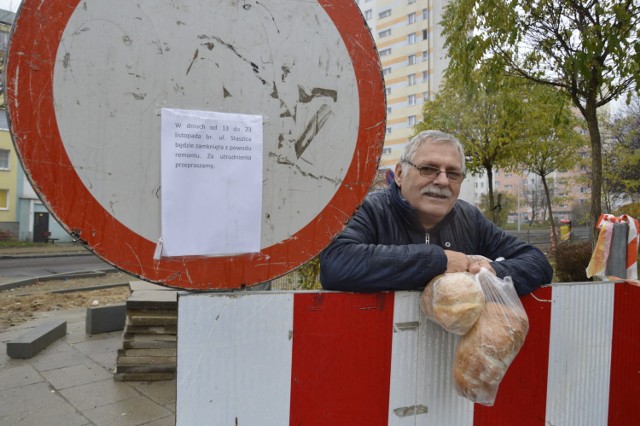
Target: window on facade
x=411 y=99
x=411 y=120
x=368 y=14
x=384 y=13
x=387 y=90
x=4 y=199
x=425 y=34
x=386 y=71
x=411 y=1
x=386 y=151
x=425 y=96
x=425 y=14
x=411 y=59
x=411 y=79
x=385 y=33
x=388 y=130
x=385 y=52
x=425 y=76
x=4 y=159
x=411 y=38
x=388 y=110
x=411 y=18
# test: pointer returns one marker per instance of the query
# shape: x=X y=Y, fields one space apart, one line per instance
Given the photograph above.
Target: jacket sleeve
x=361 y=260
x=524 y=263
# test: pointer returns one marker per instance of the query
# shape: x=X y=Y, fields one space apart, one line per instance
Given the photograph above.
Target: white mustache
x=436 y=190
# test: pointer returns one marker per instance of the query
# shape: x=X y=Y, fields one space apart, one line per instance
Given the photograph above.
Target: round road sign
x=87 y=81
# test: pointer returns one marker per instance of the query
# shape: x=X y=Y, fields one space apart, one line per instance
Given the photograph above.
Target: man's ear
x=398 y=174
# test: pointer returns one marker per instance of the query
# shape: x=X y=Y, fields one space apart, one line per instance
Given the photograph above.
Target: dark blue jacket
x=383 y=248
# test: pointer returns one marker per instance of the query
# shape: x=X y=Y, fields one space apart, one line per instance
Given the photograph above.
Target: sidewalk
x=71 y=382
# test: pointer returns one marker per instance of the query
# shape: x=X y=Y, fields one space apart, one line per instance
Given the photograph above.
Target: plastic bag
x=617 y=245
x=484 y=353
x=454 y=301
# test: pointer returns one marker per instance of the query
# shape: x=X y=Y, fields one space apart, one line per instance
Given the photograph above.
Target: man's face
x=433 y=197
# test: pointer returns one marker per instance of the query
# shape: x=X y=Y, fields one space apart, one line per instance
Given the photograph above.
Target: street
x=33 y=267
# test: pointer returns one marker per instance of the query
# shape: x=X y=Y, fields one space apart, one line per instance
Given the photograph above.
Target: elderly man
x=402 y=237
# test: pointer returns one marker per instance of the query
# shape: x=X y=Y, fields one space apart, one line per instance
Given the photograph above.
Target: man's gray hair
x=430 y=136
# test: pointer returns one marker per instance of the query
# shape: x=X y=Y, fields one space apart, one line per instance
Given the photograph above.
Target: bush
x=572 y=259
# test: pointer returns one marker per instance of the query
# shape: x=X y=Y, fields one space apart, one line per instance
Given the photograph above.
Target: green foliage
x=499 y=214
x=590 y=51
x=572 y=259
x=309 y=275
x=631 y=209
x=621 y=161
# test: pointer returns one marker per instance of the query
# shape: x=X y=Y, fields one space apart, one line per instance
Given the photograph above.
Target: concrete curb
x=29 y=281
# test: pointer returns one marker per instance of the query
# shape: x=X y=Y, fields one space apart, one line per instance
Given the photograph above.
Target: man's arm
x=357 y=260
x=524 y=263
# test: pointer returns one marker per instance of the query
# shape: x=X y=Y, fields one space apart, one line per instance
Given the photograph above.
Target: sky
x=11 y=5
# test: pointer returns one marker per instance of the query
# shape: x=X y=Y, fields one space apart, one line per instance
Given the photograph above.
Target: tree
x=550 y=141
x=500 y=212
x=621 y=164
x=533 y=196
x=590 y=50
x=487 y=118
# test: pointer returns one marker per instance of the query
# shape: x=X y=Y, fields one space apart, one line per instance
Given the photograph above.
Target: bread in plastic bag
x=453 y=300
x=483 y=354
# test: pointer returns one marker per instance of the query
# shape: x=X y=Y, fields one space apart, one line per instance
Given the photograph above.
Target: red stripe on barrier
x=624 y=408
x=341 y=365
x=522 y=395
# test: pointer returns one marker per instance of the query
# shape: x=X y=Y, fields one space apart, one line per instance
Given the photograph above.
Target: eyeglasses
x=434 y=172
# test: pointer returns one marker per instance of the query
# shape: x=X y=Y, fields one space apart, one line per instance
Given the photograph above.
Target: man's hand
x=456 y=261
x=476 y=265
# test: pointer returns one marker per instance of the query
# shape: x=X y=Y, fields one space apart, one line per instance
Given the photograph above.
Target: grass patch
x=14 y=244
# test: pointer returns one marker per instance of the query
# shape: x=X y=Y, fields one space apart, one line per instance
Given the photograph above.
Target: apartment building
x=413 y=61
x=413 y=58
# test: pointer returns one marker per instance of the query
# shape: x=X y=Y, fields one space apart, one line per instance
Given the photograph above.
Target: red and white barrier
x=325 y=358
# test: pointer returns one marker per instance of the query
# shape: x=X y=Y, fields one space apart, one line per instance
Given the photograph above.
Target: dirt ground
x=25 y=303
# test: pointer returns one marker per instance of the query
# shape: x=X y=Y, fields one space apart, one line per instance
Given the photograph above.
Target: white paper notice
x=211 y=183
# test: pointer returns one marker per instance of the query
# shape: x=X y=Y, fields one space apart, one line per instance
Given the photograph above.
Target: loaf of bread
x=483 y=355
x=454 y=300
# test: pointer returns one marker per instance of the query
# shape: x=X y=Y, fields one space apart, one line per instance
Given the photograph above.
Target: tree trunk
x=490 y=189
x=547 y=195
x=590 y=115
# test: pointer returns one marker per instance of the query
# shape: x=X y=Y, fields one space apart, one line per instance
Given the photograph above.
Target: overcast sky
x=11 y=5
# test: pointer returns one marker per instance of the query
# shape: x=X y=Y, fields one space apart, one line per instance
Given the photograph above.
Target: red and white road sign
x=320 y=358
x=87 y=80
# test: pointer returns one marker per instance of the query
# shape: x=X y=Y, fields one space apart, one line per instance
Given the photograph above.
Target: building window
x=411 y=99
x=386 y=71
x=411 y=18
x=411 y=1
x=4 y=159
x=388 y=110
x=425 y=34
x=384 y=13
x=425 y=76
x=387 y=90
x=385 y=33
x=388 y=130
x=411 y=79
x=425 y=14
x=425 y=56
x=386 y=151
x=368 y=14
x=385 y=52
x=4 y=199
x=411 y=59
x=411 y=120
x=411 y=38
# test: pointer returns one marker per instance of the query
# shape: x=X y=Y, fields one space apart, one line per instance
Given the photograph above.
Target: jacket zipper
x=426 y=238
